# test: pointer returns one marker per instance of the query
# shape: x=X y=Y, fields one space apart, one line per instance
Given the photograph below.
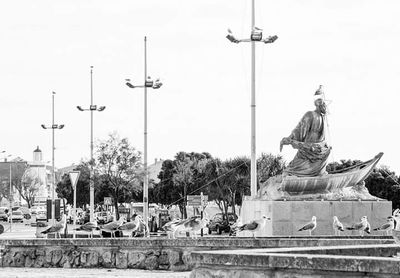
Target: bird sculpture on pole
x=254 y=226
x=337 y=226
x=310 y=226
x=56 y=228
x=88 y=227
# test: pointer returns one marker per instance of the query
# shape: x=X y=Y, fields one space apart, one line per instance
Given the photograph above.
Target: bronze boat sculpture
x=306 y=177
x=344 y=184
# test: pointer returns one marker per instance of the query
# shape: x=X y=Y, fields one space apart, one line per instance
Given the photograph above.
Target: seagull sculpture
x=337 y=226
x=112 y=226
x=56 y=228
x=362 y=226
x=88 y=227
x=254 y=226
x=387 y=227
x=310 y=226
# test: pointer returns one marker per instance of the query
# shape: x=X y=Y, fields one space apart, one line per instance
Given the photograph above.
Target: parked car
x=3 y=213
x=33 y=210
x=17 y=216
x=26 y=212
x=219 y=223
x=103 y=217
x=41 y=215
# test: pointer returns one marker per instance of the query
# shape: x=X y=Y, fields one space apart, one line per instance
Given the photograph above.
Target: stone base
x=287 y=217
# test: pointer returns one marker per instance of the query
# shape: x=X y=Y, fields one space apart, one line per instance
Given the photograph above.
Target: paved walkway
x=10 y=272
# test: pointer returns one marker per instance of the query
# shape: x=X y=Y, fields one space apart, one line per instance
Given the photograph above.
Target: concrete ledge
x=345 y=261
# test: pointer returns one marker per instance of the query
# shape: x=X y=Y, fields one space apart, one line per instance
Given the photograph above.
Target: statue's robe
x=313 y=151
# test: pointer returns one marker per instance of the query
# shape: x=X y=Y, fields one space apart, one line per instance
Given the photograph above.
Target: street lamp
x=10 y=197
x=148 y=83
x=91 y=108
x=255 y=36
x=53 y=127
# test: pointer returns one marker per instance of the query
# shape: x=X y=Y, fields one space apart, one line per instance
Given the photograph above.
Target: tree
x=269 y=165
x=220 y=179
x=231 y=178
x=118 y=166
x=28 y=188
x=64 y=187
x=17 y=171
x=26 y=185
x=383 y=183
x=164 y=192
x=180 y=177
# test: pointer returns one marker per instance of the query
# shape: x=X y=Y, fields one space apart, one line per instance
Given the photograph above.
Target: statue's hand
x=284 y=141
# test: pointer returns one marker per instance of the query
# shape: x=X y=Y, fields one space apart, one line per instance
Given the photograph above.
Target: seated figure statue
x=309 y=139
x=306 y=178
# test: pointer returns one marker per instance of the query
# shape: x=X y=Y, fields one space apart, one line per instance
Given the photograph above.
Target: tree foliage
x=17 y=172
x=64 y=187
x=28 y=188
x=230 y=179
x=181 y=177
x=119 y=168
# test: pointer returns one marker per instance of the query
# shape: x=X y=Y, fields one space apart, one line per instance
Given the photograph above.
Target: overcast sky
x=350 y=47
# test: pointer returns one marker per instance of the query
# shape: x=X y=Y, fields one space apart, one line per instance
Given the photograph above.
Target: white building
x=41 y=172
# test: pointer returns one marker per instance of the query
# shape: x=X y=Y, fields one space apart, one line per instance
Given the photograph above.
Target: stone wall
x=163 y=254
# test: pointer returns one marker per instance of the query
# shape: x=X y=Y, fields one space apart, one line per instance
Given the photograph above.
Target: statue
x=309 y=138
x=305 y=178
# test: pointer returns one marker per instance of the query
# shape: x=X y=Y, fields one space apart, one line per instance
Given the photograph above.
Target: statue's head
x=320 y=106
x=319 y=101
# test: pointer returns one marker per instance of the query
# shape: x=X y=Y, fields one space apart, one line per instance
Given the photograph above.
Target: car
x=17 y=216
x=34 y=210
x=41 y=215
x=3 y=213
x=26 y=212
x=103 y=217
x=219 y=223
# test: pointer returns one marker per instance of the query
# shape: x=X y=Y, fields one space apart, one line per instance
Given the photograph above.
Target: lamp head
x=157 y=84
x=79 y=108
x=43 y=126
x=101 y=108
x=232 y=38
x=61 y=126
x=271 y=39
x=129 y=85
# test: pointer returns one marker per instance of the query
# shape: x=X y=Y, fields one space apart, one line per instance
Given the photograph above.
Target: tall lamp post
x=255 y=36
x=148 y=83
x=10 y=197
x=91 y=108
x=53 y=127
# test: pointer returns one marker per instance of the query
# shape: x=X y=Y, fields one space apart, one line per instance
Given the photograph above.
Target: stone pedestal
x=289 y=216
